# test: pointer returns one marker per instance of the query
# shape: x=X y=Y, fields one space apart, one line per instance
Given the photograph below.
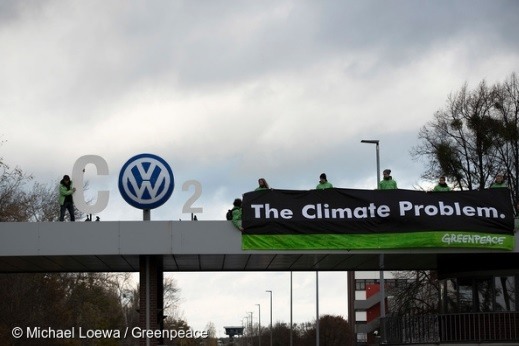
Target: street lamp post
x=376 y=142
x=291 y=308
x=251 y=329
x=259 y=323
x=270 y=316
x=381 y=256
x=317 y=308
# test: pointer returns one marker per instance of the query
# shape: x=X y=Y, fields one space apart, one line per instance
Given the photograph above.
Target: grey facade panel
x=19 y=239
x=145 y=237
x=82 y=238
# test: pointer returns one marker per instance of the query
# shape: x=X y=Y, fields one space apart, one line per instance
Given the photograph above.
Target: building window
x=505 y=293
x=491 y=294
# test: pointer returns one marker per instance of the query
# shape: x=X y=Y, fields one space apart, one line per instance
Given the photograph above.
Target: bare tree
x=14 y=200
x=43 y=203
x=171 y=297
x=211 y=333
x=506 y=105
x=460 y=142
x=417 y=293
x=333 y=331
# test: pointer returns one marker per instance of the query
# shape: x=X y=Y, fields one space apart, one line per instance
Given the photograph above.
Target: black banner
x=349 y=212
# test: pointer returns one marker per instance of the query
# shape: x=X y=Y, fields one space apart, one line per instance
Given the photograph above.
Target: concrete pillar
x=151 y=296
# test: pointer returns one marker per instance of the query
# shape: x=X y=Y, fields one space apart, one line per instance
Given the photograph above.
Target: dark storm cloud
x=10 y=10
x=222 y=44
x=398 y=32
x=205 y=44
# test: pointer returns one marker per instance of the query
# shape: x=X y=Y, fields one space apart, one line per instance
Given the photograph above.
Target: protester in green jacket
x=499 y=182
x=442 y=185
x=263 y=185
x=237 y=214
x=323 y=183
x=387 y=183
x=65 y=198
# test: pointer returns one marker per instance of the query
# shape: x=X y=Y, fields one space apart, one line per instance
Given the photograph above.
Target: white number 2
x=187 y=208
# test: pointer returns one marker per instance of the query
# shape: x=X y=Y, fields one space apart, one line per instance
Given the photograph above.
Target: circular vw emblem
x=146 y=181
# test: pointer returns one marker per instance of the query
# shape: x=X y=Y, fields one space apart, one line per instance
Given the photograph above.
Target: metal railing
x=465 y=327
x=411 y=329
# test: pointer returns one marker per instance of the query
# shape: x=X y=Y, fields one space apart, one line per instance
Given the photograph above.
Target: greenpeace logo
x=472 y=239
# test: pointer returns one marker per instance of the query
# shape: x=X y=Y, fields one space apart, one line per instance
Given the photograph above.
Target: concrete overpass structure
x=205 y=246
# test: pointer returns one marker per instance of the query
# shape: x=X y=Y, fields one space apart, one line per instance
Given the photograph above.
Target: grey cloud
x=402 y=31
x=202 y=45
x=12 y=10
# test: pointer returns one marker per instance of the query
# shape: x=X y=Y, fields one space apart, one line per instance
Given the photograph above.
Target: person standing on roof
x=442 y=185
x=323 y=183
x=237 y=214
x=65 y=199
x=387 y=183
x=499 y=182
x=263 y=185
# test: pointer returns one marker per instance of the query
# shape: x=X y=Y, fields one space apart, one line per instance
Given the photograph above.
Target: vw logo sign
x=146 y=181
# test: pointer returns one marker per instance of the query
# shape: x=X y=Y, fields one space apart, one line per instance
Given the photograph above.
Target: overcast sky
x=230 y=91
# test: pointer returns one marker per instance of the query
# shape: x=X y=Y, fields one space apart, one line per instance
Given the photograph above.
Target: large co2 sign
x=146 y=181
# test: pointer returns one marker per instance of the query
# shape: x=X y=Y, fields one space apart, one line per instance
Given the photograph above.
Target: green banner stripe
x=438 y=239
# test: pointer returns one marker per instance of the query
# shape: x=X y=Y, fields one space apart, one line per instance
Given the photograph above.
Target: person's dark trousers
x=70 y=208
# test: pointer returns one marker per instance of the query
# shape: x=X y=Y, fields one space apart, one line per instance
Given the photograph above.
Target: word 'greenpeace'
x=472 y=239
